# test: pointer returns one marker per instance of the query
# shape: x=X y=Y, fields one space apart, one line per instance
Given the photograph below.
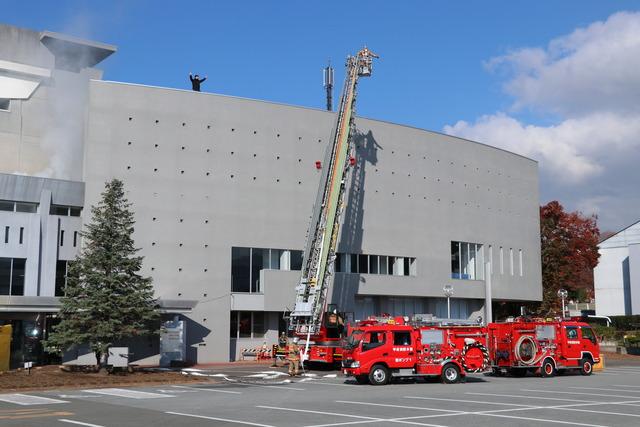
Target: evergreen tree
x=106 y=299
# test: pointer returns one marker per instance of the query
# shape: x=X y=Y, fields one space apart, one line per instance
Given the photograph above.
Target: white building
x=617 y=276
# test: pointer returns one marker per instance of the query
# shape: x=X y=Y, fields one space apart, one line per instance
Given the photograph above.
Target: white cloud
x=589 y=81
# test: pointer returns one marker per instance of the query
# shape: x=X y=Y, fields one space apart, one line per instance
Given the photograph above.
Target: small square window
x=5 y=104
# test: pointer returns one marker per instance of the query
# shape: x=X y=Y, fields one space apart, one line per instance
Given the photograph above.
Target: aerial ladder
x=308 y=317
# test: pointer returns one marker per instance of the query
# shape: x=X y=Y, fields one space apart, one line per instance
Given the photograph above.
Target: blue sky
x=431 y=74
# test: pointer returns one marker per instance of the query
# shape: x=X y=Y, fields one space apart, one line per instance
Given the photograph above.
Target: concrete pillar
x=488 y=311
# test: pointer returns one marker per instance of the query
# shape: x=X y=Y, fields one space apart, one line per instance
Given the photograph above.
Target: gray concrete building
x=223 y=188
x=616 y=278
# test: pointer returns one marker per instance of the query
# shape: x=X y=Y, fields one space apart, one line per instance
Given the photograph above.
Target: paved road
x=260 y=398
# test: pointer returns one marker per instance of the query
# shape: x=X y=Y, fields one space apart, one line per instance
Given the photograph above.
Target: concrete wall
x=208 y=172
x=41 y=244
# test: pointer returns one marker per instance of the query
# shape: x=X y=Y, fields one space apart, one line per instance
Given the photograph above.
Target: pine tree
x=106 y=299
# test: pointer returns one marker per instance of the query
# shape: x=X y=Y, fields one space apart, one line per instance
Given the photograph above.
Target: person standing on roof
x=196 y=81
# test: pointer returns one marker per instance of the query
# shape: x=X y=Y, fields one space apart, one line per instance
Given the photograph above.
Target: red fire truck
x=378 y=350
x=528 y=345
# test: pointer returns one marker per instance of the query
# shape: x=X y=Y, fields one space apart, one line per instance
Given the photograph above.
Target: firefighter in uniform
x=293 y=356
x=281 y=348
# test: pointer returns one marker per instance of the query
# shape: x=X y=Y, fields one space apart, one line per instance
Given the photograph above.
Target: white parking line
x=469 y=401
x=64 y=420
x=207 y=389
x=604 y=389
x=544 y=420
x=130 y=394
x=27 y=400
x=574 y=392
x=349 y=402
x=320 y=412
x=281 y=387
x=226 y=420
x=624 y=385
x=527 y=397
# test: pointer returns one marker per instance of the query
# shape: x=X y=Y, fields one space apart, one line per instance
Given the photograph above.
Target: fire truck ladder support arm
x=319 y=254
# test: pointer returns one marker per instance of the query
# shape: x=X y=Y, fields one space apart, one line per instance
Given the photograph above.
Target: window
x=75 y=238
x=363 y=264
x=257 y=264
x=241 y=269
x=572 y=332
x=587 y=333
x=376 y=264
x=373 y=339
x=246 y=264
x=21 y=234
x=354 y=263
x=26 y=207
x=59 y=210
x=296 y=260
x=402 y=338
x=467 y=261
x=61 y=277
x=12 y=276
x=247 y=324
x=75 y=211
x=61 y=237
x=5 y=103
x=430 y=337
x=6 y=206
x=6 y=234
x=384 y=264
x=545 y=332
x=373 y=264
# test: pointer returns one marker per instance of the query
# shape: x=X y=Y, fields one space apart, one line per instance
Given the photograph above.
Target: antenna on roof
x=328 y=85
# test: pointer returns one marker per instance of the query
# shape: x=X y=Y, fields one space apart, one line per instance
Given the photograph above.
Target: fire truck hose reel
x=526 y=350
x=485 y=357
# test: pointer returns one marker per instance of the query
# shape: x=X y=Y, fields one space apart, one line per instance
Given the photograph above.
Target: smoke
x=67 y=98
x=63 y=136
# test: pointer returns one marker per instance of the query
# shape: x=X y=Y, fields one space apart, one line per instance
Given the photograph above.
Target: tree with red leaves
x=569 y=249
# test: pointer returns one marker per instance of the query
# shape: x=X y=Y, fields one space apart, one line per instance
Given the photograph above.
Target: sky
x=554 y=81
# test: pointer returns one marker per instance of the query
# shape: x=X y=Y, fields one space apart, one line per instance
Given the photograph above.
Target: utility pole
x=328 y=85
x=562 y=293
x=448 y=292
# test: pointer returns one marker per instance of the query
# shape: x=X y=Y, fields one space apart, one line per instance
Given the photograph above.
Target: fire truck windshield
x=354 y=339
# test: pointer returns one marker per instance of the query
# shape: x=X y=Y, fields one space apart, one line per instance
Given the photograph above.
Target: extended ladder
x=319 y=254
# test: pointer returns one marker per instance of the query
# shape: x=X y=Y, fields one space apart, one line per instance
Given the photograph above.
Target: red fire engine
x=379 y=349
x=529 y=345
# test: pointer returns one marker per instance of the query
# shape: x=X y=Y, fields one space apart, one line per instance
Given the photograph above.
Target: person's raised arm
x=205 y=78
x=190 y=76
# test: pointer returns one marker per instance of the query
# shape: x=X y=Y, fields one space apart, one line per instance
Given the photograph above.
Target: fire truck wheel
x=450 y=374
x=548 y=369
x=362 y=379
x=379 y=375
x=586 y=366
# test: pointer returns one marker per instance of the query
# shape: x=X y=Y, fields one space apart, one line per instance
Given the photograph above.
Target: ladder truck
x=319 y=325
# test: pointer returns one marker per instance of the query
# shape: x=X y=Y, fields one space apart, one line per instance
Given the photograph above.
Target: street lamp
x=562 y=293
x=448 y=292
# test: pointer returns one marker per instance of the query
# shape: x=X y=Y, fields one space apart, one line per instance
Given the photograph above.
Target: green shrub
x=632 y=341
x=604 y=332
x=626 y=323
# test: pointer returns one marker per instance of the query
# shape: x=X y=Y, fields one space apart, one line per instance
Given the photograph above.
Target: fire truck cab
x=550 y=347
x=377 y=351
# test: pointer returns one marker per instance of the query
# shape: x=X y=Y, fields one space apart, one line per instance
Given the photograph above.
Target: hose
x=534 y=350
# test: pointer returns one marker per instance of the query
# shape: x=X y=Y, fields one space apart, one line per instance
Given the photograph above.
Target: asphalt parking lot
x=259 y=397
